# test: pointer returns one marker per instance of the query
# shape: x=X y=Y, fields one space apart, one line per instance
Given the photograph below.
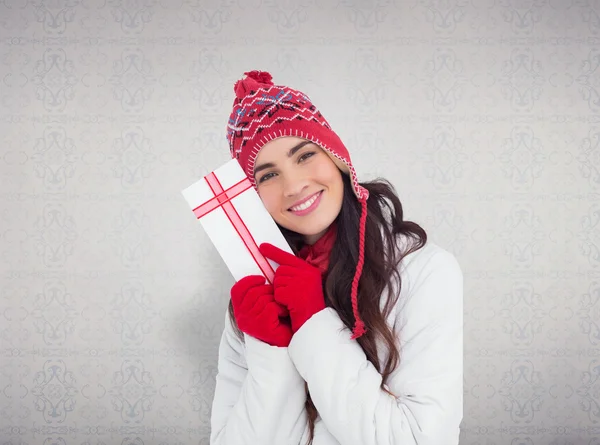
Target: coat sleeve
x=427 y=405
x=259 y=395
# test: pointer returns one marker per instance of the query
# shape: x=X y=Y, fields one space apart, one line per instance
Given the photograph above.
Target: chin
x=314 y=230
x=313 y=233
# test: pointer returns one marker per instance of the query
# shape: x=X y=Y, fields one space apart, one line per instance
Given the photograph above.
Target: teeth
x=306 y=204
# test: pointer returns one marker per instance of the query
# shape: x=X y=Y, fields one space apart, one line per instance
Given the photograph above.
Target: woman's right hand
x=258 y=314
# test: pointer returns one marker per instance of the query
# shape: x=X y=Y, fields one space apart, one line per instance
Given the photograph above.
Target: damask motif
x=445 y=80
x=203 y=148
x=366 y=16
x=292 y=61
x=209 y=60
x=288 y=15
x=132 y=15
x=127 y=236
x=590 y=235
x=522 y=391
x=444 y=158
x=451 y=227
x=589 y=157
x=523 y=235
x=522 y=80
x=589 y=15
x=199 y=379
x=209 y=99
x=56 y=233
x=54 y=391
x=368 y=60
x=589 y=392
x=210 y=20
x=523 y=158
x=522 y=16
x=589 y=314
x=55 y=15
x=133 y=313
x=589 y=80
x=133 y=391
x=444 y=15
x=367 y=97
x=55 y=313
x=55 y=78
x=523 y=313
x=133 y=157
x=54 y=158
x=132 y=80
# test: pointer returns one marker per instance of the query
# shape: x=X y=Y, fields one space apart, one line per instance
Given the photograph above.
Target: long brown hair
x=380 y=276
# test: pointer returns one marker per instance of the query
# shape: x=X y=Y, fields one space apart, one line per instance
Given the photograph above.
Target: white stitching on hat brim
x=359 y=191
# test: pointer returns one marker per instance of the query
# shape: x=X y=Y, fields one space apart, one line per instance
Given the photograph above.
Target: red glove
x=298 y=285
x=256 y=312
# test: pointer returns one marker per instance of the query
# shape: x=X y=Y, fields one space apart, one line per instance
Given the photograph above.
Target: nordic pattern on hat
x=254 y=113
x=263 y=111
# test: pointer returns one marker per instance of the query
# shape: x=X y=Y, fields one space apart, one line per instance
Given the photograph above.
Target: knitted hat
x=262 y=112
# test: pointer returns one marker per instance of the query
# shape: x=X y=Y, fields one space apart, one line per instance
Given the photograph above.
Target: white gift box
x=235 y=219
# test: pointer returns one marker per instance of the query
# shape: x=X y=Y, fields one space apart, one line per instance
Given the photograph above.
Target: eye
x=265 y=177
x=306 y=155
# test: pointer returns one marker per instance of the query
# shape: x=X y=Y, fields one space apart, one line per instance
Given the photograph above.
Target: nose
x=294 y=184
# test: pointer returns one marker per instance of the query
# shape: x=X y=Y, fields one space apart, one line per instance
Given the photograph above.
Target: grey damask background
x=484 y=113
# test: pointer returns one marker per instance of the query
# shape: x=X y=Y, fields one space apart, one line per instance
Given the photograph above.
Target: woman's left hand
x=297 y=285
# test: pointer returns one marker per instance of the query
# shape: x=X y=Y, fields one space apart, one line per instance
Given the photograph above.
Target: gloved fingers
x=281 y=281
x=282 y=311
x=266 y=315
x=287 y=271
x=253 y=294
x=280 y=256
x=258 y=301
x=285 y=296
x=277 y=310
x=239 y=289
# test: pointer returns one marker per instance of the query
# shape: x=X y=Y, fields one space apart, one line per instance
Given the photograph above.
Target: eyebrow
x=291 y=153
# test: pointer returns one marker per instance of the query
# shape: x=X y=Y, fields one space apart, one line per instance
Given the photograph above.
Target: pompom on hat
x=263 y=111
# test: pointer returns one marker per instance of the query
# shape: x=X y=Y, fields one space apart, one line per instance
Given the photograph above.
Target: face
x=300 y=186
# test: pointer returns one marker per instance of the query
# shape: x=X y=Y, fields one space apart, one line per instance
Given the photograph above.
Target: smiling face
x=300 y=185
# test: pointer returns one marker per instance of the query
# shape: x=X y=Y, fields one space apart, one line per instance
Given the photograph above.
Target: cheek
x=271 y=201
x=339 y=192
x=330 y=175
x=325 y=172
x=336 y=186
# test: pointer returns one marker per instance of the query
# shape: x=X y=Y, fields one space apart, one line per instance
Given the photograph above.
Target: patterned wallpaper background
x=483 y=113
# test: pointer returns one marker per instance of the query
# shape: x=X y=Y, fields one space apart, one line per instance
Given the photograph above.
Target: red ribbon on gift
x=223 y=199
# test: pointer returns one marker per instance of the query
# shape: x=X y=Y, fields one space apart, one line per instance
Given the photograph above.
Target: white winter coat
x=260 y=394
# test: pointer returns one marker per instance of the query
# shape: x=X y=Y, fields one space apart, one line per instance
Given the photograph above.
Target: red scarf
x=318 y=254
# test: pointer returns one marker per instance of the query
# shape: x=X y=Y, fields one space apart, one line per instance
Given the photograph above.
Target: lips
x=307 y=206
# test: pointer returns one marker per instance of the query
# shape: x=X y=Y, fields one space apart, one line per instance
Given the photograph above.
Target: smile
x=307 y=206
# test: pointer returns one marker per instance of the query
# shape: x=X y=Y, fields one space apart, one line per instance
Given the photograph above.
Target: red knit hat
x=262 y=112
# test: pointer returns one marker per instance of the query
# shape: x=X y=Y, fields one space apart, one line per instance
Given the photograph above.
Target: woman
x=359 y=338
